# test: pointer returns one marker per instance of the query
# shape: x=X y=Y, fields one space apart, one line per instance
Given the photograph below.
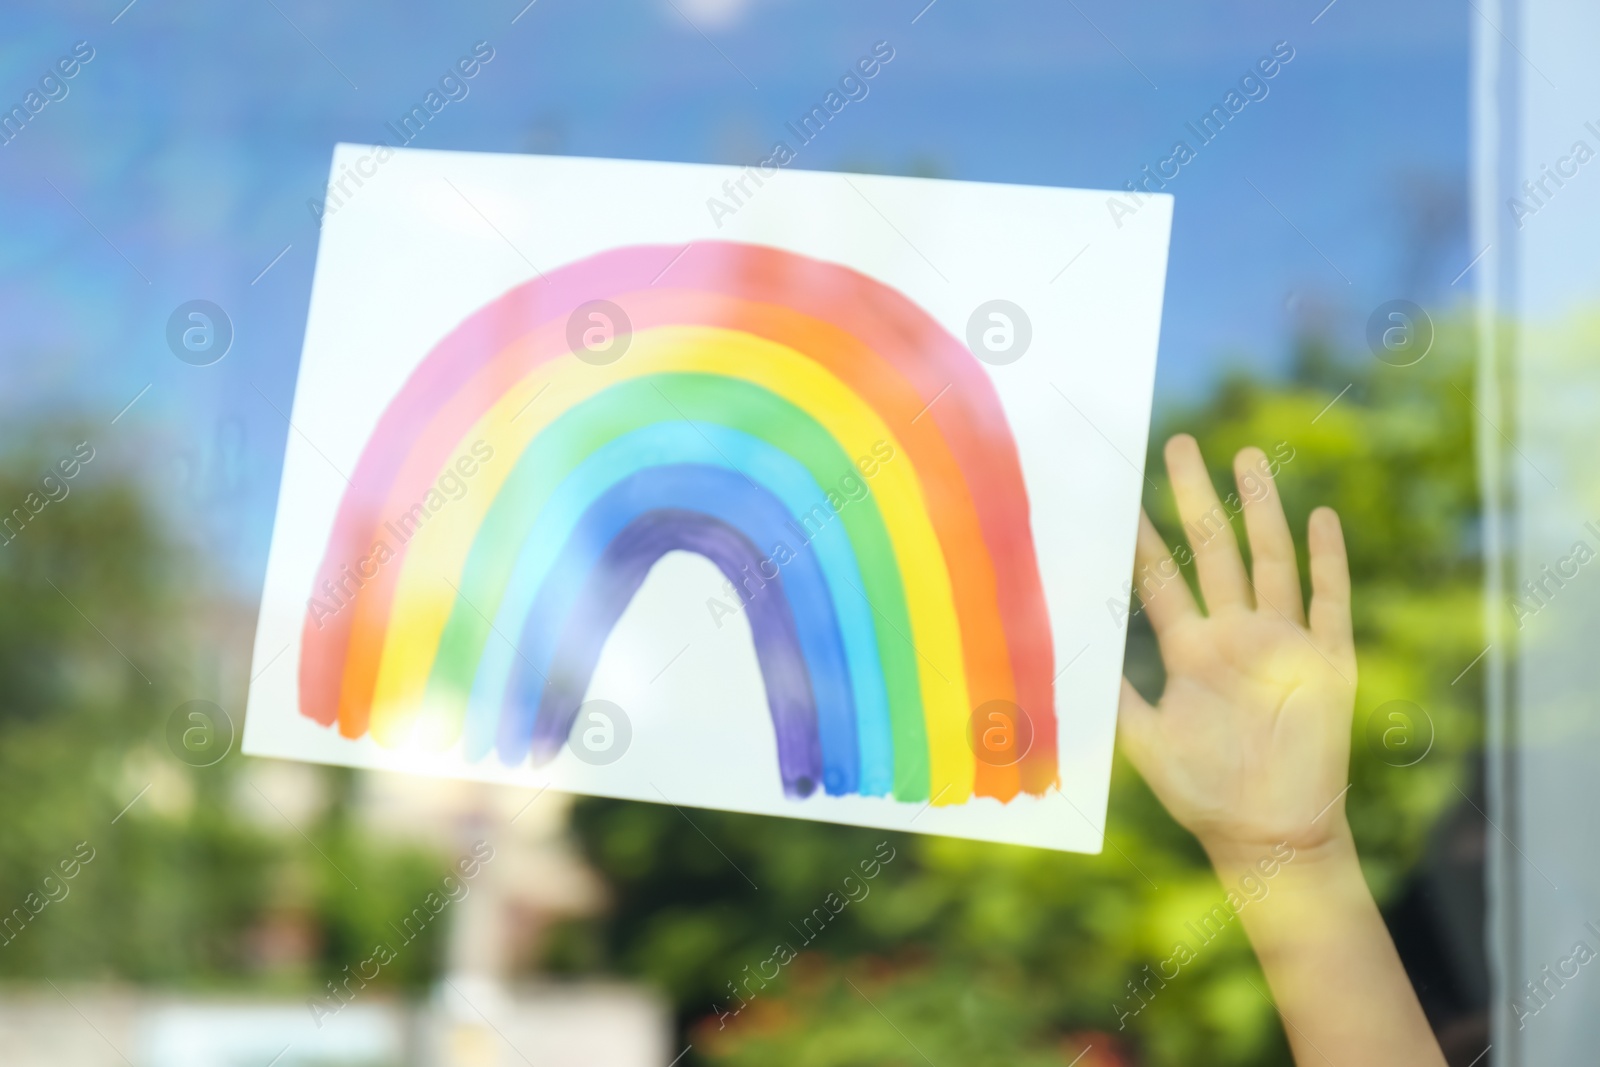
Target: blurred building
x=554 y=1026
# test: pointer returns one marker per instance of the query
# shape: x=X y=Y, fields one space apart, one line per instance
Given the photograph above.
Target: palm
x=1249 y=744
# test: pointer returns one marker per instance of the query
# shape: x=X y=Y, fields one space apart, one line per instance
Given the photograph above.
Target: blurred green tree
x=103 y=633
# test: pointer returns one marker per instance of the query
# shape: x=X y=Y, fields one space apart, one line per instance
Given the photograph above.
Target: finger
x=1206 y=525
x=1330 y=583
x=1137 y=723
x=1272 y=562
x=1158 y=581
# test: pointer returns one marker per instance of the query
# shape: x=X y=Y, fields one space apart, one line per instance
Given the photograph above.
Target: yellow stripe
x=437 y=554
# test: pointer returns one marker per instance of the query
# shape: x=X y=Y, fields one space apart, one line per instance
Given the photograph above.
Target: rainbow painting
x=751 y=378
x=758 y=489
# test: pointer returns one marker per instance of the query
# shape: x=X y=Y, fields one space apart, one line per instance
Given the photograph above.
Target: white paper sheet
x=415 y=242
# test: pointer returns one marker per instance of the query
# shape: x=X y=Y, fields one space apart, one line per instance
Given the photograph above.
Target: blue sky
x=180 y=162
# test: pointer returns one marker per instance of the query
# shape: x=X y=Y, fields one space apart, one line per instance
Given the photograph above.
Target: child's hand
x=1250 y=748
x=1250 y=743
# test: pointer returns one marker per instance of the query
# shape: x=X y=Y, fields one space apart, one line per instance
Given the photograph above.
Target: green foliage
x=973 y=953
x=100 y=615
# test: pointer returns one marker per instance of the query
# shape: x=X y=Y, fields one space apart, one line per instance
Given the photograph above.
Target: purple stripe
x=622 y=568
